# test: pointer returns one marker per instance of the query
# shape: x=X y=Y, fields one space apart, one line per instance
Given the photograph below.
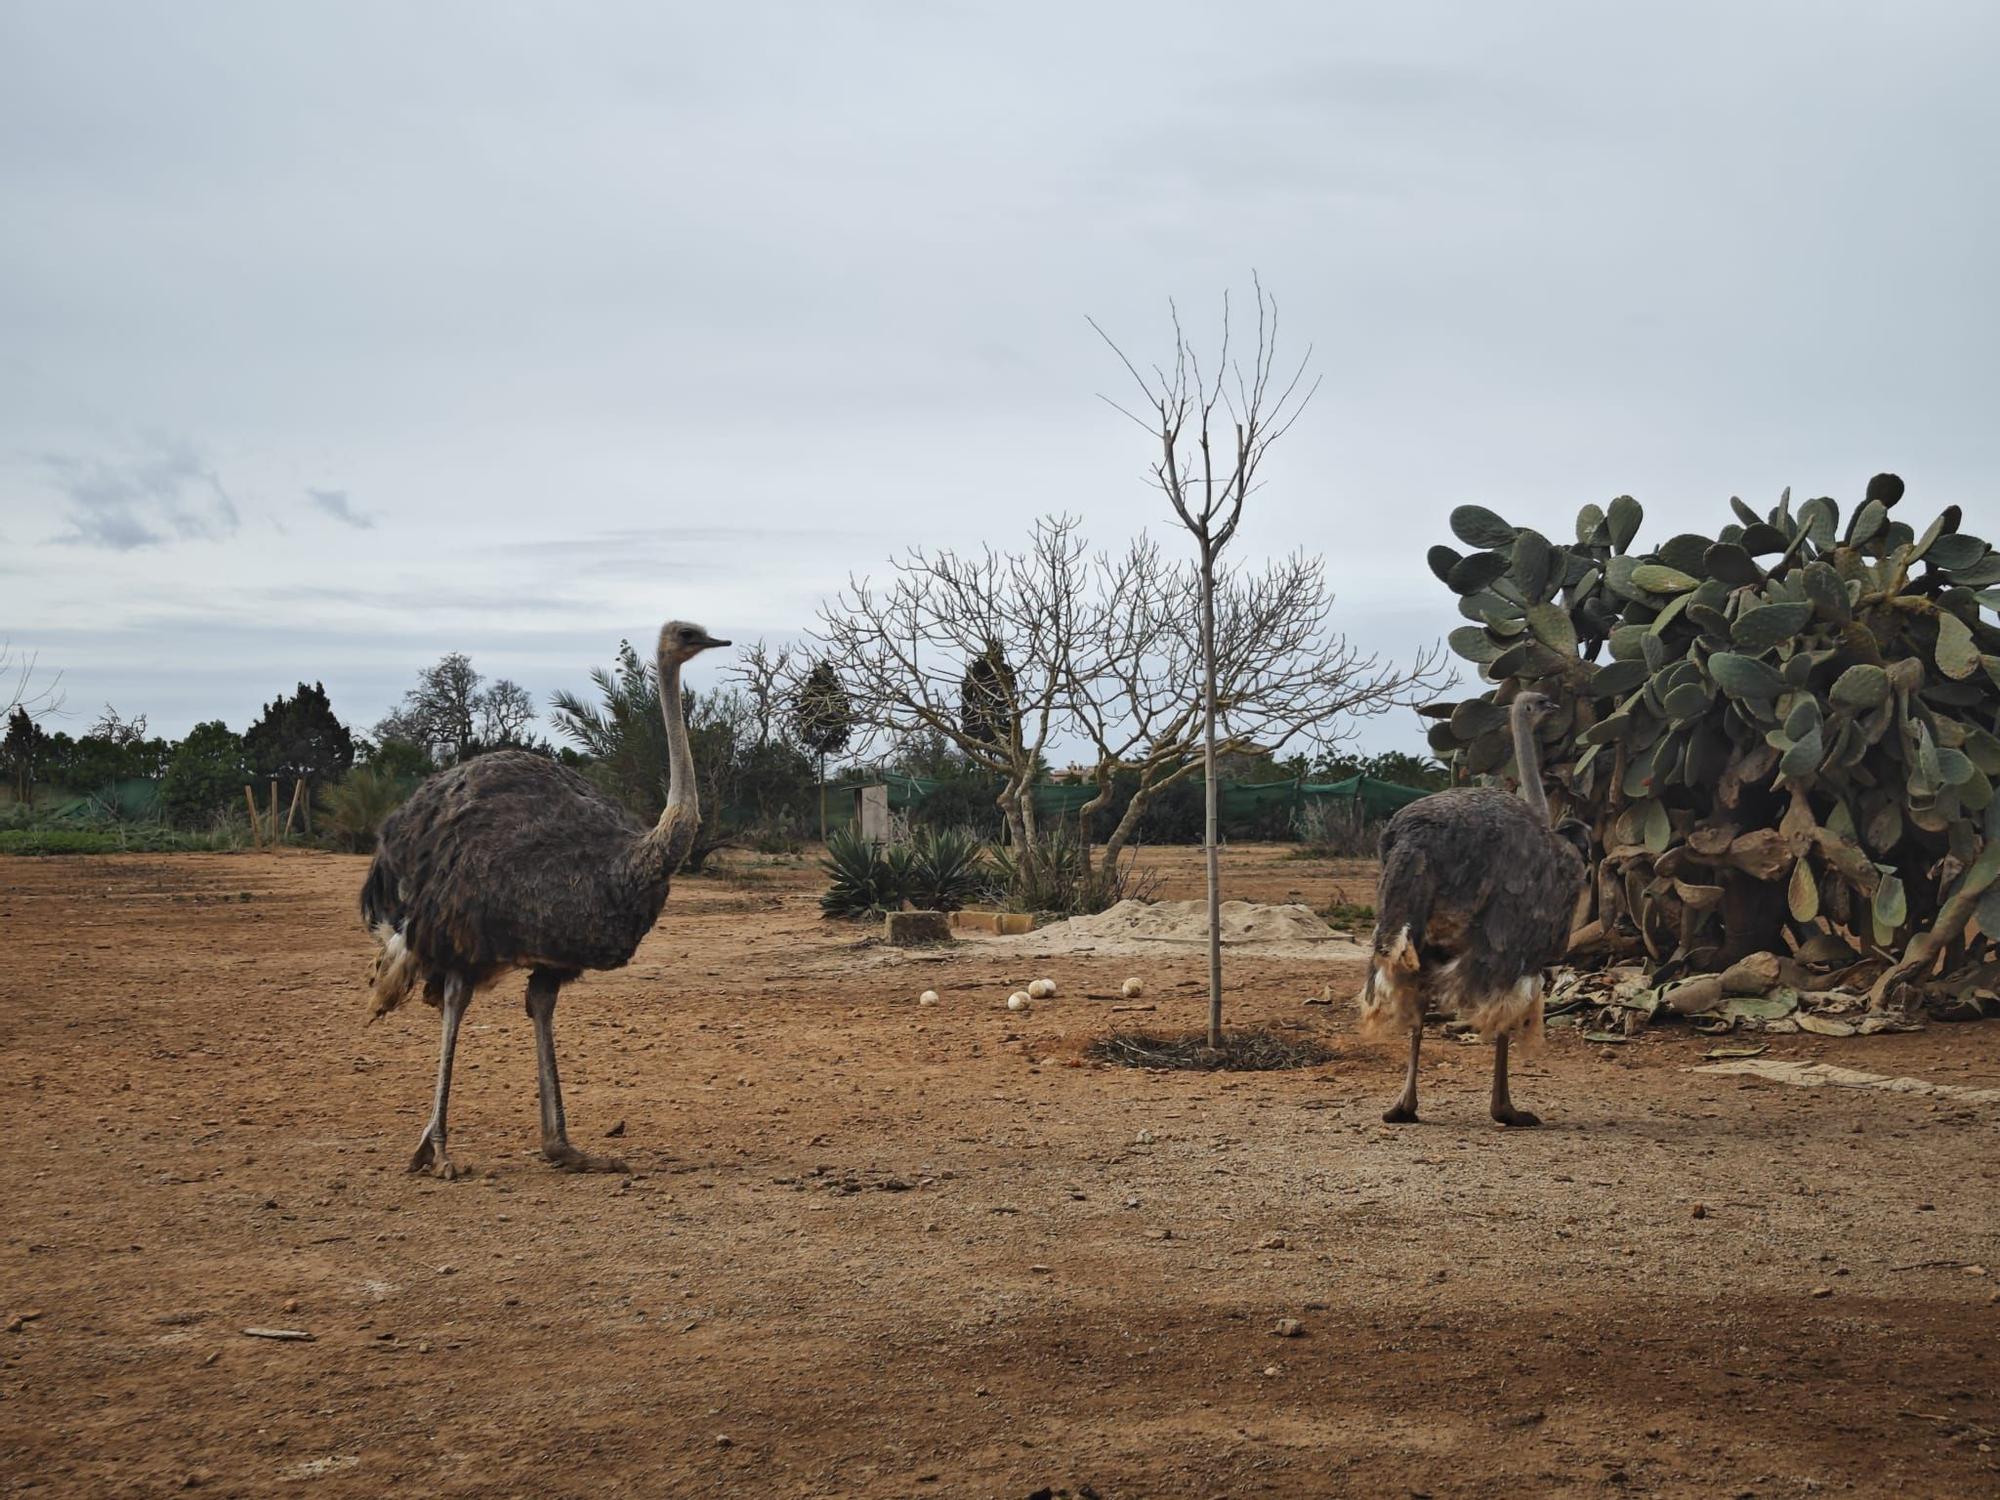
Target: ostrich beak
x=708 y=641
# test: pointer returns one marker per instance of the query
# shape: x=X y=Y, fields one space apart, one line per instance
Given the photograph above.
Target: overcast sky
x=334 y=337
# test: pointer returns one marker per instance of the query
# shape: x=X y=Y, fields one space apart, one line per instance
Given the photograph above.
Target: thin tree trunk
x=1208 y=771
x=822 y=796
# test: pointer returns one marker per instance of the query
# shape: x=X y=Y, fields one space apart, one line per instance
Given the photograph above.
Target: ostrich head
x=1534 y=707
x=680 y=641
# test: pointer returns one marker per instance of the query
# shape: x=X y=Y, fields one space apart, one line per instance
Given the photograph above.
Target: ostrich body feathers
x=510 y=861
x=1475 y=902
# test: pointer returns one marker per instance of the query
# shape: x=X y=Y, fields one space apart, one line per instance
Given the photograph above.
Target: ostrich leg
x=1404 y=1110
x=542 y=991
x=1503 y=1106
x=430 y=1150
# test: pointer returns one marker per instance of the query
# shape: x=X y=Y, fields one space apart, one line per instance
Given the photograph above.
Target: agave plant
x=1784 y=736
x=948 y=869
x=866 y=878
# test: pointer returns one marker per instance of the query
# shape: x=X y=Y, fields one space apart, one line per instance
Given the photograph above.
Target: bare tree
x=19 y=689
x=1281 y=672
x=1207 y=471
x=115 y=729
x=505 y=711
x=451 y=711
x=764 y=673
x=907 y=649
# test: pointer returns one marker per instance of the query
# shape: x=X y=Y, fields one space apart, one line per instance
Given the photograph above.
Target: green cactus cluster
x=1785 y=737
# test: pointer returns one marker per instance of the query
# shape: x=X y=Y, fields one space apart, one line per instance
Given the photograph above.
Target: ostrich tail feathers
x=1392 y=998
x=1514 y=1012
x=395 y=973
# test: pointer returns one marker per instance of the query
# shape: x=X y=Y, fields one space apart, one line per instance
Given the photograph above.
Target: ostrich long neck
x=1528 y=762
x=673 y=836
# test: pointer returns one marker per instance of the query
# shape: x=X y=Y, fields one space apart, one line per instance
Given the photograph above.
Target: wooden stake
x=298 y=787
x=250 y=801
x=274 y=812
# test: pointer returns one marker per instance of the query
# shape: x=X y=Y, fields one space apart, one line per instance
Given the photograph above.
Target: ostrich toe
x=562 y=1154
x=430 y=1157
x=1402 y=1112
x=1506 y=1114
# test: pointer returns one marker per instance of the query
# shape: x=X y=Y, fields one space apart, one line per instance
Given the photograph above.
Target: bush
x=355 y=808
x=205 y=777
x=963 y=802
x=1051 y=878
x=116 y=839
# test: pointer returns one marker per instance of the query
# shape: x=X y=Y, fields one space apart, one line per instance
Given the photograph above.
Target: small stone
x=1288 y=1328
x=1822 y=1291
x=291 y=1304
x=1271 y=1242
x=1270 y=1370
x=724 y=1440
x=615 y=1131
x=1700 y=1211
x=1143 y=1138
x=447 y=1270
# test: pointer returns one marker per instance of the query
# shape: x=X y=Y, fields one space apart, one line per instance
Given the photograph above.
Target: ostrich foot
x=431 y=1158
x=1402 y=1112
x=562 y=1154
x=1506 y=1114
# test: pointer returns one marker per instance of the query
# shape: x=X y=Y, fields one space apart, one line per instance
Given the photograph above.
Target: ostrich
x=1475 y=901
x=510 y=861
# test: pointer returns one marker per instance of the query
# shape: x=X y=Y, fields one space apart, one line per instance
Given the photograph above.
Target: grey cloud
x=163 y=490
x=336 y=504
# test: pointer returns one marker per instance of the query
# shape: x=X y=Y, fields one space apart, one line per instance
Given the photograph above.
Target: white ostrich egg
x=1132 y=989
x=928 y=997
x=1041 y=989
x=1018 y=1000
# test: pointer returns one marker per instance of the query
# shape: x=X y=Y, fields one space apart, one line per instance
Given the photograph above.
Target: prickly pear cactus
x=1783 y=736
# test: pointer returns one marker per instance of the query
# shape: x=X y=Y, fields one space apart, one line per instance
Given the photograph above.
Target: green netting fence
x=1245 y=808
x=133 y=801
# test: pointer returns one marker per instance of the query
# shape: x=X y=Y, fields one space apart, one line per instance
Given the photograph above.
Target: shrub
x=206 y=775
x=356 y=806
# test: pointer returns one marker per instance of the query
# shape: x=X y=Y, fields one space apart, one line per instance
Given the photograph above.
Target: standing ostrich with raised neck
x=510 y=861
x=1475 y=902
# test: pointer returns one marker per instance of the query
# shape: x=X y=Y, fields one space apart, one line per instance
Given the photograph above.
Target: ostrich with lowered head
x=510 y=861
x=1475 y=902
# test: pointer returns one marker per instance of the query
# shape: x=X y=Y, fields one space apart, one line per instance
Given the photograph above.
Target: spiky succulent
x=1783 y=729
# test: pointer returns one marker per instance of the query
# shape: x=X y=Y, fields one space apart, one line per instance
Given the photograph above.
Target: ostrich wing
x=511 y=859
x=1474 y=873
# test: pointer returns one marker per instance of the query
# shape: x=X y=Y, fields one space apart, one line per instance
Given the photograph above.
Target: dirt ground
x=874 y=1249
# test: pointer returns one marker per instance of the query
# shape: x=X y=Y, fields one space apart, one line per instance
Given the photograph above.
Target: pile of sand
x=1187 y=922
x=1138 y=928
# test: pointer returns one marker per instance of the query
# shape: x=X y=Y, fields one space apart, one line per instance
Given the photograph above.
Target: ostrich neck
x=1529 y=764
x=673 y=836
